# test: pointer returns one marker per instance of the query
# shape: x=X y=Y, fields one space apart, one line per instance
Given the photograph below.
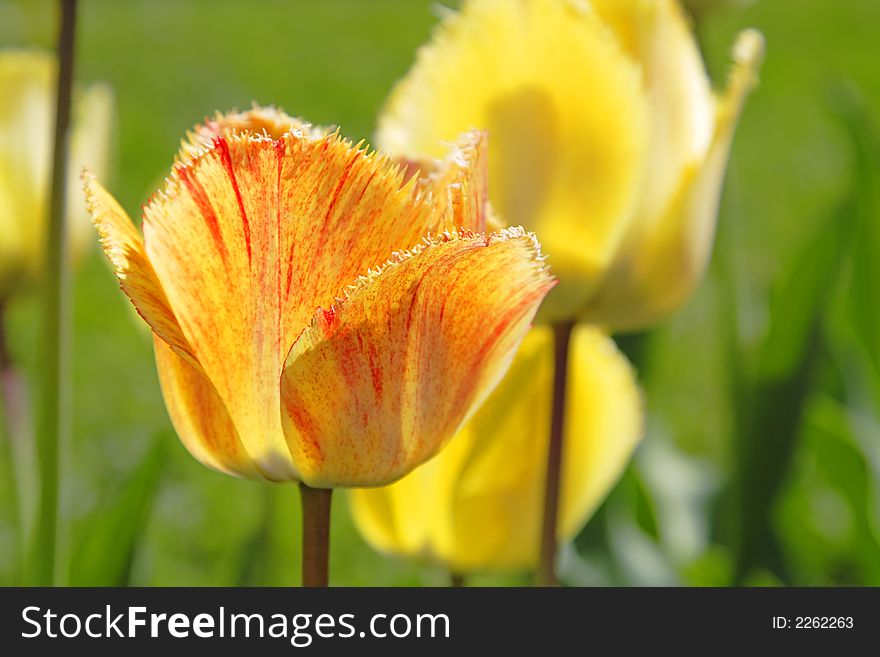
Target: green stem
x=315 y=534
x=456 y=580
x=12 y=400
x=546 y=575
x=51 y=420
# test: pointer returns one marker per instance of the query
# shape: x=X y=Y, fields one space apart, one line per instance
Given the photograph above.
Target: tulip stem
x=456 y=580
x=546 y=575
x=51 y=418
x=12 y=405
x=315 y=534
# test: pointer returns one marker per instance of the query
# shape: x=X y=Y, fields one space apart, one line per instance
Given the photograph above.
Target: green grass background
x=723 y=490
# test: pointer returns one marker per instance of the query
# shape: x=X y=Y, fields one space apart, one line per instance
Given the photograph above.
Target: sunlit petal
x=266 y=121
x=657 y=36
x=379 y=383
x=199 y=415
x=251 y=236
x=124 y=247
x=567 y=118
x=459 y=183
x=659 y=265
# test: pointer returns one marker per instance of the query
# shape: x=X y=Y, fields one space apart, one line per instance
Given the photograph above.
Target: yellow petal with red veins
x=267 y=121
x=379 y=383
x=252 y=235
x=124 y=247
x=478 y=504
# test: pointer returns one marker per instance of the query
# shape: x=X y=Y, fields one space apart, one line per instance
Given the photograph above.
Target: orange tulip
x=319 y=315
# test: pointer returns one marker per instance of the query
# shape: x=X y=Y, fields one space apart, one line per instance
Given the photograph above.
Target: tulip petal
x=266 y=121
x=478 y=504
x=250 y=236
x=566 y=115
x=657 y=35
x=378 y=384
x=89 y=148
x=25 y=131
x=199 y=416
x=459 y=183
x=27 y=102
x=26 y=106
x=659 y=267
x=124 y=248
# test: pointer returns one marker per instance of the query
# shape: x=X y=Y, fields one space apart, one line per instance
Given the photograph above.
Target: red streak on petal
x=197 y=192
x=366 y=186
x=226 y=159
x=306 y=427
x=329 y=317
x=334 y=197
x=414 y=299
x=280 y=149
x=504 y=323
x=376 y=375
x=289 y=271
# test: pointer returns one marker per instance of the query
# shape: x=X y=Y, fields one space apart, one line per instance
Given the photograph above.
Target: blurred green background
x=762 y=459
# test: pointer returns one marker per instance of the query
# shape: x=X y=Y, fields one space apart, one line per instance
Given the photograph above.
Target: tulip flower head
x=27 y=115
x=607 y=140
x=477 y=506
x=318 y=315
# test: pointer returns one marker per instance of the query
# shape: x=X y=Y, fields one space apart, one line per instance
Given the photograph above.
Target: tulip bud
x=27 y=115
x=606 y=140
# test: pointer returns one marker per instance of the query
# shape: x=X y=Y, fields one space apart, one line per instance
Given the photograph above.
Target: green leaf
x=772 y=403
x=828 y=515
x=105 y=552
x=863 y=283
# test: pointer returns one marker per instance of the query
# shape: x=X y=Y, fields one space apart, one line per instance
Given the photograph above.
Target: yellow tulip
x=607 y=139
x=27 y=114
x=317 y=317
x=478 y=504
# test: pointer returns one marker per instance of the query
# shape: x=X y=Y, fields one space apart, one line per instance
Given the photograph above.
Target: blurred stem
x=12 y=393
x=52 y=417
x=546 y=575
x=456 y=580
x=315 y=534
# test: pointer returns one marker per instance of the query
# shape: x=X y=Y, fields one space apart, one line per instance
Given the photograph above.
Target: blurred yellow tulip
x=478 y=504
x=606 y=140
x=263 y=224
x=27 y=114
